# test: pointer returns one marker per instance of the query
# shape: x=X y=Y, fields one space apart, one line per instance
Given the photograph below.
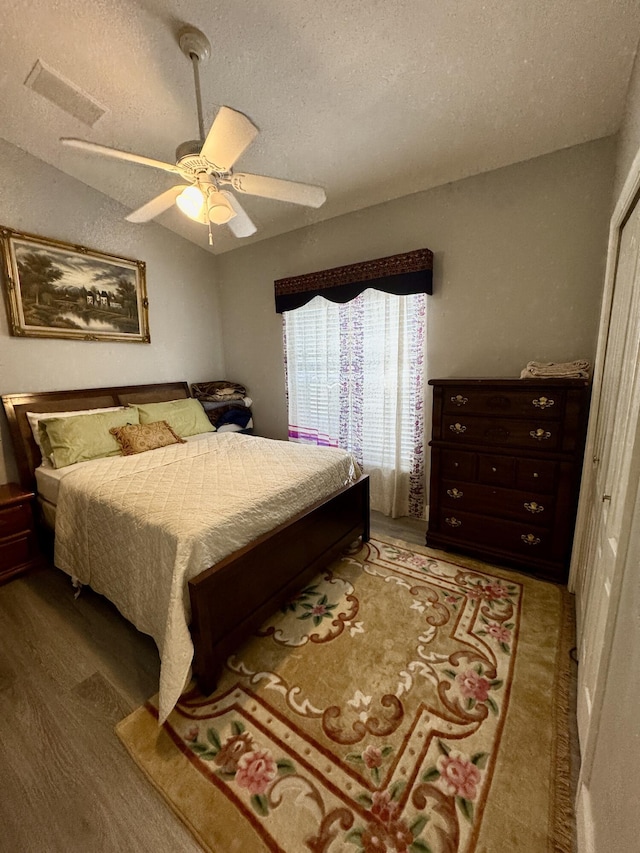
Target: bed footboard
x=234 y=597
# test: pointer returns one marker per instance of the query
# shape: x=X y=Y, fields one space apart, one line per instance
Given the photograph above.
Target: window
x=355 y=380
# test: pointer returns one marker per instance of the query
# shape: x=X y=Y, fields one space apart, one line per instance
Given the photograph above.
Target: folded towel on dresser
x=218 y=391
x=556 y=370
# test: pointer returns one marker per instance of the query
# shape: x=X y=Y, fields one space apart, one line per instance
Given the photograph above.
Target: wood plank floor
x=69 y=670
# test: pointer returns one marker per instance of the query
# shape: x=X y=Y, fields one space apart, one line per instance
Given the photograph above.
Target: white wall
x=184 y=314
x=519 y=263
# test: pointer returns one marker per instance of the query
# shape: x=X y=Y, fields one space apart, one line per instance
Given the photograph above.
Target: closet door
x=606 y=499
x=612 y=457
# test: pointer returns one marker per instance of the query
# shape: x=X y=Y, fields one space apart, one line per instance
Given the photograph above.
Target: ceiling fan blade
x=306 y=194
x=117 y=154
x=231 y=133
x=157 y=205
x=240 y=225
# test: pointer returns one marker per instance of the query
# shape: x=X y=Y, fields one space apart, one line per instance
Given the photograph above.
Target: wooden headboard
x=16 y=407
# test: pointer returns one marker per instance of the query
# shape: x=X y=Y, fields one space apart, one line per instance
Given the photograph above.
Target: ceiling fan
x=206 y=164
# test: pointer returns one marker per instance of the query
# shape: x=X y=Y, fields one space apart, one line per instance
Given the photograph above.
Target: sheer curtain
x=355 y=379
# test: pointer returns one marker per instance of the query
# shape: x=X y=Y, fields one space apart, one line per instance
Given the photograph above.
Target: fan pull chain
x=210 y=235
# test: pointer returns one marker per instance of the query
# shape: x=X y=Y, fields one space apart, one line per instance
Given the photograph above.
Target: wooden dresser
x=506 y=459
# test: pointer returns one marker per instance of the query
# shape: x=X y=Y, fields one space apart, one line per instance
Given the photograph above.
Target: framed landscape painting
x=57 y=290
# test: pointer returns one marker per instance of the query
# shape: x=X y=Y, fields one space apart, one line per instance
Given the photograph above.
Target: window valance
x=411 y=272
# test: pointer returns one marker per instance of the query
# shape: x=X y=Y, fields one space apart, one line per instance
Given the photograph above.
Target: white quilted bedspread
x=137 y=528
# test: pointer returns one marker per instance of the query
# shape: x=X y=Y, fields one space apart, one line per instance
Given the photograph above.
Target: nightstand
x=18 y=547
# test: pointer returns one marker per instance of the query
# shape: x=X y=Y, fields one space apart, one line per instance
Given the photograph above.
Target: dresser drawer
x=538 y=475
x=545 y=403
x=497 y=470
x=501 y=432
x=512 y=537
x=15 y=552
x=15 y=519
x=507 y=503
x=458 y=465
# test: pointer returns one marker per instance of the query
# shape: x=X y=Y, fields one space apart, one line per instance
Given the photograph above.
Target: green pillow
x=84 y=437
x=185 y=417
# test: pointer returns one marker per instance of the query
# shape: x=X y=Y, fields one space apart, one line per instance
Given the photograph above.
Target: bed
x=226 y=599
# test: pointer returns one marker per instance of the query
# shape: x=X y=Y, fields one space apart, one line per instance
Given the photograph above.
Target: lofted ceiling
x=371 y=99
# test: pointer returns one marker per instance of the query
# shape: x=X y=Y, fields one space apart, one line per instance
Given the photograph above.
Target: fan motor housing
x=190 y=161
x=189 y=149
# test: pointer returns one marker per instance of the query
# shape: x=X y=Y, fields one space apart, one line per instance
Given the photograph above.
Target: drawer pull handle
x=453 y=521
x=532 y=506
x=458 y=428
x=543 y=403
x=459 y=400
x=530 y=539
x=455 y=493
x=540 y=434
x=494 y=469
x=536 y=475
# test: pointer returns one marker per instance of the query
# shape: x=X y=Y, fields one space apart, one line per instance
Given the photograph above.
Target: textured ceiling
x=372 y=99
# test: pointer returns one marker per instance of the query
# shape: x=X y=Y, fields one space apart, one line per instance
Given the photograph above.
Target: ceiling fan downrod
x=196 y=81
x=196 y=47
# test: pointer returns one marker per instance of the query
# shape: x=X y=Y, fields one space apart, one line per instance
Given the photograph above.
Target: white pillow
x=34 y=419
x=235 y=427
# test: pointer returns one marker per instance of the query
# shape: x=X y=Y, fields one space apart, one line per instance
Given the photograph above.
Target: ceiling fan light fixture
x=191 y=202
x=218 y=208
x=207 y=163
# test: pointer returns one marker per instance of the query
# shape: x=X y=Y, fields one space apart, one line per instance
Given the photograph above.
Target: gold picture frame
x=60 y=290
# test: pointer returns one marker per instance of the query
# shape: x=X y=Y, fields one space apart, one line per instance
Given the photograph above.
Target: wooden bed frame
x=232 y=598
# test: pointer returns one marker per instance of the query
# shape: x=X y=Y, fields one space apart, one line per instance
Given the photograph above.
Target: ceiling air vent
x=64 y=94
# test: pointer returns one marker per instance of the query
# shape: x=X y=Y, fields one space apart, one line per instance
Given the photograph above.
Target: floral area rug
x=401 y=702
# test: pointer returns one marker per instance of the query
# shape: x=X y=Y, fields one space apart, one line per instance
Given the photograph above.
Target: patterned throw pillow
x=138 y=438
